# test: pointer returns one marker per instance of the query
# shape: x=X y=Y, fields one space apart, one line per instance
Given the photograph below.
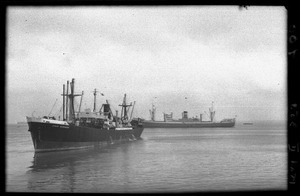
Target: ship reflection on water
x=47 y=163
x=68 y=171
x=56 y=159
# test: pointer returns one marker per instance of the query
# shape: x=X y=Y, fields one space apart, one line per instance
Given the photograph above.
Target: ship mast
x=152 y=113
x=212 y=112
x=124 y=115
x=70 y=111
x=95 y=94
x=63 y=102
x=67 y=105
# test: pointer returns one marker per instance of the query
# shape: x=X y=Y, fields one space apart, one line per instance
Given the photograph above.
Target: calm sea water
x=252 y=157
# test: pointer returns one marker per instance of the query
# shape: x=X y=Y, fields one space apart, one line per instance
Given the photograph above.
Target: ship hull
x=51 y=137
x=162 y=124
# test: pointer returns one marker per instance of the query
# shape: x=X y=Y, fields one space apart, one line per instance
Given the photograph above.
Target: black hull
x=162 y=124
x=50 y=137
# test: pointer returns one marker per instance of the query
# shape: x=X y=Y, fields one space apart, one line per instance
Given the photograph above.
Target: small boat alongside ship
x=185 y=121
x=83 y=129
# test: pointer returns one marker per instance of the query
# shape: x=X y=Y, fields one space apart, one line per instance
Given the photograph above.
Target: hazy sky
x=234 y=57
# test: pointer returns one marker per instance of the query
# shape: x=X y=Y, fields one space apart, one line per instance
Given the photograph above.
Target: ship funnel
x=106 y=110
x=185 y=115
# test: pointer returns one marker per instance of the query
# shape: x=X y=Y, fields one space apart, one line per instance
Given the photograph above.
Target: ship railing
x=227 y=120
x=46 y=120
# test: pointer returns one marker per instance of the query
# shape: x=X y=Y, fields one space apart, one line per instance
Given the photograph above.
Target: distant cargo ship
x=83 y=129
x=21 y=123
x=185 y=121
x=248 y=123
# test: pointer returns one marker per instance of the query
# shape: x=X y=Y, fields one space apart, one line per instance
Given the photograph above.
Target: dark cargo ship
x=186 y=122
x=83 y=129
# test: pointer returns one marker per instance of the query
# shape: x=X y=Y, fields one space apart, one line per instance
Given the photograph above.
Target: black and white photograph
x=146 y=99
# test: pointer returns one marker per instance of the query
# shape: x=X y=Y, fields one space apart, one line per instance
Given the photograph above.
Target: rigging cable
x=57 y=113
x=52 y=107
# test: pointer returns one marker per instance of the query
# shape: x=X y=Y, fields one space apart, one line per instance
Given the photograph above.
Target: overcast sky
x=234 y=57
